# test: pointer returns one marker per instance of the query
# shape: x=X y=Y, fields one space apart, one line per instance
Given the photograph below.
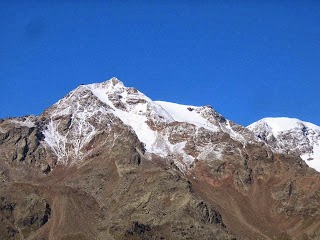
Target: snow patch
x=313 y=159
x=187 y=113
x=233 y=134
x=26 y=123
x=56 y=141
x=211 y=151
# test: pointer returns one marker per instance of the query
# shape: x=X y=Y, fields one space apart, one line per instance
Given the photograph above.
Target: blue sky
x=247 y=59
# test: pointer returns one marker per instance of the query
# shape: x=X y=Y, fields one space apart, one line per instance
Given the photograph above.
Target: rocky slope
x=291 y=136
x=107 y=162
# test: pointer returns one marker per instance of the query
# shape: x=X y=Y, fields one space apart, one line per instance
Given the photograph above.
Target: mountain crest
x=167 y=130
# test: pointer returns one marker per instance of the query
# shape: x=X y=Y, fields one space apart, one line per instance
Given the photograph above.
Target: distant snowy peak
x=282 y=124
x=290 y=135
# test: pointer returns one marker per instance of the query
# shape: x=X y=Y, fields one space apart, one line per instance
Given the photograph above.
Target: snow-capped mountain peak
x=281 y=124
x=166 y=129
x=290 y=135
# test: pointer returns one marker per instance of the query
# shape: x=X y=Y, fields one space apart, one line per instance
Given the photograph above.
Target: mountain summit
x=107 y=162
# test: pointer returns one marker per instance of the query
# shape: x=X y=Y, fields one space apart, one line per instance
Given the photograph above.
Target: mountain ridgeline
x=107 y=162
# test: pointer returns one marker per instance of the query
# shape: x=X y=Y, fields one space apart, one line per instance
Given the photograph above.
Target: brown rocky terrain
x=68 y=176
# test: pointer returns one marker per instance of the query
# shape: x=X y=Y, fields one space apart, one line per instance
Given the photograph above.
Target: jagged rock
x=26 y=214
x=209 y=215
x=45 y=168
x=135 y=159
x=137 y=229
x=65 y=123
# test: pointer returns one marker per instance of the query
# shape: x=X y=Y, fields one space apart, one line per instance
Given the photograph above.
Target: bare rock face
x=107 y=162
x=22 y=214
x=20 y=146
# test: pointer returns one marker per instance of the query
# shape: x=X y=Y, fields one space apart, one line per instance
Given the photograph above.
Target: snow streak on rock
x=74 y=121
x=24 y=121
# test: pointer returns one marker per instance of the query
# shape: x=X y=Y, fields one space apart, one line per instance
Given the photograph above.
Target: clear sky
x=247 y=59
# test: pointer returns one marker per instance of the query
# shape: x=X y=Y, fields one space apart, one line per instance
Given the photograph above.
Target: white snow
x=26 y=123
x=313 y=159
x=56 y=141
x=178 y=148
x=233 y=134
x=181 y=113
x=212 y=151
x=2 y=131
x=138 y=123
x=281 y=124
x=68 y=145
